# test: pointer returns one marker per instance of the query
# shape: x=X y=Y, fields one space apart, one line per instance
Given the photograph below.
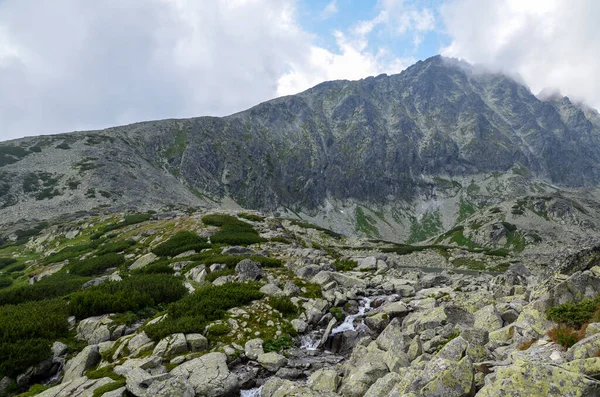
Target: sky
x=69 y=65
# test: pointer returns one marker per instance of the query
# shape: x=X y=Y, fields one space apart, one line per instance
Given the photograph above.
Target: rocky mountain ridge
x=403 y=158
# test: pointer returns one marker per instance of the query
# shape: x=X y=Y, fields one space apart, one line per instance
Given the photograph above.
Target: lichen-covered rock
x=324 y=380
x=98 y=329
x=488 y=318
x=391 y=335
x=77 y=366
x=140 y=343
x=253 y=348
x=271 y=361
x=143 y=261
x=524 y=378
x=77 y=387
x=585 y=348
x=248 y=270
x=363 y=368
x=383 y=386
x=171 y=345
x=271 y=290
x=277 y=387
x=208 y=375
x=533 y=321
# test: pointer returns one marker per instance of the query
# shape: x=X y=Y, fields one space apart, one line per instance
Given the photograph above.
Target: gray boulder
x=77 y=366
x=248 y=270
x=208 y=375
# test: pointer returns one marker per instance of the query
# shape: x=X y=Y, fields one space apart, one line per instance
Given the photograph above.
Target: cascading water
x=251 y=392
x=310 y=341
x=348 y=324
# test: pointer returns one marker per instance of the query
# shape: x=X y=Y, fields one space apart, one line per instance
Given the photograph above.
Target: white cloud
x=68 y=64
x=353 y=61
x=547 y=42
x=330 y=9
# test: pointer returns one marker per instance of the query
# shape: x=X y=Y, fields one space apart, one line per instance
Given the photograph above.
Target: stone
x=327 y=332
x=143 y=261
x=271 y=361
x=396 y=309
x=592 y=329
x=197 y=274
x=291 y=289
x=525 y=378
x=253 y=348
x=236 y=250
x=587 y=366
x=271 y=290
x=248 y=270
x=171 y=345
x=77 y=366
x=277 y=387
x=324 y=380
x=185 y=254
x=391 y=335
x=58 y=349
x=488 y=318
x=140 y=343
x=95 y=330
x=366 y=264
x=77 y=387
x=383 y=386
x=533 y=321
x=299 y=325
x=377 y=322
x=208 y=375
x=196 y=342
x=585 y=348
x=363 y=368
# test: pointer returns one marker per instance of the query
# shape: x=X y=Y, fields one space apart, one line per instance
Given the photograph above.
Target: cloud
x=67 y=64
x=330 y=10
x=353 y=61
x=547 y=42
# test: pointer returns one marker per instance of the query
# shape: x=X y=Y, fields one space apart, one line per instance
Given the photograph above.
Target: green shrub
x=5 y=282
x=34 y=390
x=564 y=335
x=131 y=294
x=217 y=330
x=280 y=240
x=70 y=252
x=64 y=146
x=344 y=265
x=108 y=388
x=133 y=219
x=104 y=372
x=97 y=264
x=212 y=276
x=206 y=305
x=27 y=331
x=278 y=344
x=284 y=305
x=116 y=246
x=573 y=314
x=35 y=149
x=54 y=286
x=181 y=242
x=252 y=217
x=4 y=262
x=338 y=313
x=233 y=231
x=160 y=267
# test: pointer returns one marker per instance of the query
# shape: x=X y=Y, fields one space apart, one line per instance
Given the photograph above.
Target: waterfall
x=310 y=341
x=348 y=324
x=251 y=392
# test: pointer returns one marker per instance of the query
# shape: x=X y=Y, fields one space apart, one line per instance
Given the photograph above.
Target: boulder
x=324 y=380
x=396 y=309
x=197 y=274
x=383 y=386
x=143 y=261
x=488 y=318
x=271 y=361
x=98 y=329
x=253 y=348
x=208 y=375
x=271 y=290
x=277 y=387
x=196 y=342
x=77 y=366
x=525 y=378
x=77 y=387
x=171 y=345
x=248 y=270
x=140 y=343
x=585 y=348
x=291 y=289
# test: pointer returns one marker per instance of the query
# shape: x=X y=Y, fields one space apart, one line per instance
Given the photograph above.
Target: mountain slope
x=401 y=157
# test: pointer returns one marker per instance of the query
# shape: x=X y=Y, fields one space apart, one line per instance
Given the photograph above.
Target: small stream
x=348 y=324
x=251 y=392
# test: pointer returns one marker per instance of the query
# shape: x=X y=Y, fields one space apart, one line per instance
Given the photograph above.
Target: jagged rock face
x=378 y=140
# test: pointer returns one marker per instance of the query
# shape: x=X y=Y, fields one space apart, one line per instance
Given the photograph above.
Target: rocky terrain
x=402 y=158
x=236 y=303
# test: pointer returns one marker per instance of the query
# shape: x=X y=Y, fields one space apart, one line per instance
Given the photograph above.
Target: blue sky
x=314 y=19
x=70 y=65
